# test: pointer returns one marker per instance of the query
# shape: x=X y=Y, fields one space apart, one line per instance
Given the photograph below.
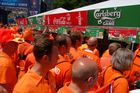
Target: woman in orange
x=121 y=61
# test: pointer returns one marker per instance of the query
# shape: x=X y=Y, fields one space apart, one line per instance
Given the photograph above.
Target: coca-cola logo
x=64 y=20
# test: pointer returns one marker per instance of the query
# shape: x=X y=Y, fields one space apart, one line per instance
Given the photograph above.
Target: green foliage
x=71 y=4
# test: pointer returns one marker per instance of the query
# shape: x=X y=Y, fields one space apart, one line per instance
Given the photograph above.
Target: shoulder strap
x=118 y=77
x=61 y=62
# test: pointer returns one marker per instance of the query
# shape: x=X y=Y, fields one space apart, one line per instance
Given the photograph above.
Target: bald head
x=84 y=68
x=92 y=41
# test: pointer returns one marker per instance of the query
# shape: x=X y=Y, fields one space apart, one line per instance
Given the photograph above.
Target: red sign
x=22 y=21
x=81 y=29
x=67 y=19
x=122 y=34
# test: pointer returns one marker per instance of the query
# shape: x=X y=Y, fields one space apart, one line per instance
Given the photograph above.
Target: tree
x=71 y=4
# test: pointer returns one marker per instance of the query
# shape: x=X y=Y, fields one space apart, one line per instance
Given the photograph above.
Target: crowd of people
x=41 y=62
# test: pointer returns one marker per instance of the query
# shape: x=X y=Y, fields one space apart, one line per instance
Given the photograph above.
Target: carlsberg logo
x=106 y=14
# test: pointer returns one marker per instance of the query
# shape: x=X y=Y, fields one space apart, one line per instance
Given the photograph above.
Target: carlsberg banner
x=128 y=16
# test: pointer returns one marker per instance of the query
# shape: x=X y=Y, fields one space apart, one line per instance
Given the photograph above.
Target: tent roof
x=109 y=4
x=54 y=11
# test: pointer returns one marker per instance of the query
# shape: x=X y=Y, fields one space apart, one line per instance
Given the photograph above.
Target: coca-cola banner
x=67 y=19
x=22 y=21
x=126 y=35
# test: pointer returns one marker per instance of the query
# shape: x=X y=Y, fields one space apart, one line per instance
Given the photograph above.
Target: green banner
x=138 y=37
x=40 y=20
x=62 y=30
x=32 y=20
x=128 y=16
x=94 y=32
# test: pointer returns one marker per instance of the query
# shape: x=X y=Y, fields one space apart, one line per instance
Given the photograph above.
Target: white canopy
x=109 y=4
x=54 y=11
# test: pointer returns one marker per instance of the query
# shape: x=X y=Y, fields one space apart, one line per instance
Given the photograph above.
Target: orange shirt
x=7 y=72
x=105 y=61
x=75 y=53
x=134 y=74
x=62 y=72
x=106 y=53
x=120 y=85
x=33 y=83
x=88 y=53
x=85 y=46
x=96 y=52
x=65 y=89
x=30 y=60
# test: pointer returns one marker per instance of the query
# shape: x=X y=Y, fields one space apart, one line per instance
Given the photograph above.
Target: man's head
x=84 y=71
x=10 y=48
x=92 y=43
x=113 y=47
x=76 y=38
x=64 y=43
x=45 y=51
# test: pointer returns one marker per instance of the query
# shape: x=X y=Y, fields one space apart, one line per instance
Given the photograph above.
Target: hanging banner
x=138 y=37
x=53 y=29
x=62 y=30
x=126 y=35
x=14 y=3
x=22 y=21
x=94 y=32
x=67 y=19
x=79 y=29
x=34 y=7
x=127 y=16
x=40 y=20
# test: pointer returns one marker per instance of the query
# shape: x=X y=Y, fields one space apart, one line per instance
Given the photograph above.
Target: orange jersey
x=88 y=53
x=30 y=60
x=105 y=61
x=134 y=74
x=96 y=52
x=33 y=83
x=75 y=53
x=62 y=72
x=7 y=72
x=65 y=89
x=85 y=46
x=106 y=53
x=120 y=85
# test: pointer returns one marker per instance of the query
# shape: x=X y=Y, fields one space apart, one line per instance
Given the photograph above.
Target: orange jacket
x=106 y=53
x=85 y=46
x=120 y=85
x=135 y=68
x=33 y=83
x=91 y=55
x=105 y=61
x=7 y=72
x=75 y=53
x=65 y=89
x=62 y=72
x=30 y=60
